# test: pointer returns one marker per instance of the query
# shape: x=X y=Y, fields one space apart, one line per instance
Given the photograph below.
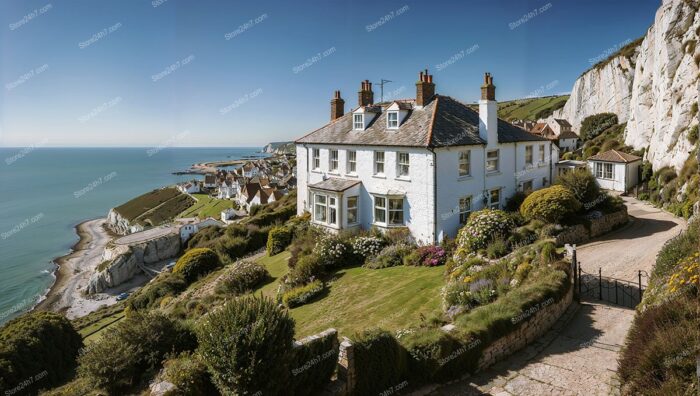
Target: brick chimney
x=488 y=112
x=365 y=95
x=337 y=106
x=425 y=89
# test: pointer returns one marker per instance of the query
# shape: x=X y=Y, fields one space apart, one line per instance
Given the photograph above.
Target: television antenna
x=381 y=87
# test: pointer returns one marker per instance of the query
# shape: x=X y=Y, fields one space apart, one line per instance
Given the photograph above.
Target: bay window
x=379 y=210
x=325 y=209
x=352 y=210
x=388 y=211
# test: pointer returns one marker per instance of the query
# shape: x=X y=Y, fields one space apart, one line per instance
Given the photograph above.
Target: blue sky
x=233 y=73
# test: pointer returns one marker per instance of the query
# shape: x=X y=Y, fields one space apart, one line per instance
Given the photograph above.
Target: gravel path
x=578 y=356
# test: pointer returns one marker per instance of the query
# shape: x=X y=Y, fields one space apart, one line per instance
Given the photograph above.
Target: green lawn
x=95 y=330
x=155 y=207
x=208 y=206
x=359 y=298
x=529 y=108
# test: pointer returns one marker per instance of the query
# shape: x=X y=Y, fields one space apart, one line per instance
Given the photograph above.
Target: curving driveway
x=578 y=356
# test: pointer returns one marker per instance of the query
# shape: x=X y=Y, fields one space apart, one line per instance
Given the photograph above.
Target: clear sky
x=243 y=73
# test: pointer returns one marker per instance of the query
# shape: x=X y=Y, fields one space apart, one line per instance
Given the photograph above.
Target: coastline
x=76 y=266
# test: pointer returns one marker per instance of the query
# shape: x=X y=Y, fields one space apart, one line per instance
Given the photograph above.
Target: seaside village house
x=424 y=163
x=615 y=170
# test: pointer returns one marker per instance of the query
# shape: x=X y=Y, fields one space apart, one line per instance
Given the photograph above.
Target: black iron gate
x=596 y=287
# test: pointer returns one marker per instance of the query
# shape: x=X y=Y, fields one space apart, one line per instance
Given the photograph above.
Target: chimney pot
x=365 y=96
x=425 y=89
x=337 y=106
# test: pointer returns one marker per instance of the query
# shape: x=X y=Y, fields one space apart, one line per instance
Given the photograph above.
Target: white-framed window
x=392 y=119
x=332 y=210
x=358 y=121
x=542 y=153
x=492 y=161
x=378 y=162
x=352 y=210
x=528 y=155
x=495 y=198
x=352 y=161
x=402 y=165
x=316 y=155
x=379 y=210
x=388 y=210
x=465 y=209
x=527 y=187
x=333 y=160
x=608 y=171
x=320 y=208
x=465 y=167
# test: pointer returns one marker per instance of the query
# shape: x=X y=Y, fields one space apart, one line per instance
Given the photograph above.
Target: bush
x=39 y=348
x=278 y=239
x=133 y=351
x=400 y=235
x=367 y=246
x=427 y=256
x=195 y=263
x=165 y=284
x=302 y=294
x=548 y=253
x=594 y=125
x=550 y=204
x=189 y=374
x=380 y=362
x=582 y=183
x=314 y=362
x=306 y=269
x=242 y=277
x=481 y=228
x=390 y=256
x=332 y=251
x=497 y=249
x=439 y=356
x=247 y=343
x=693 y=134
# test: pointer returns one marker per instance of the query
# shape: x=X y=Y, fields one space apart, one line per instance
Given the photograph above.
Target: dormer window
x=358 y=121
x=392 y=120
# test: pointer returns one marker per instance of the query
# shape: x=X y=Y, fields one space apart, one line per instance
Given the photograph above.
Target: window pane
x=380 y=210
x=396 y=217
x=464 y=166
x=352 y=210
x=332 y=215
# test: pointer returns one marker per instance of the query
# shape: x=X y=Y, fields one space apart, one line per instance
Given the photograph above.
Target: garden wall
x=581 y=233
x=537 y=320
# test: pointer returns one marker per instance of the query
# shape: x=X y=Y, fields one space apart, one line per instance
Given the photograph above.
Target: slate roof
x=568 y=135
x=614 y=156
x=442 y=122
x=562 y=122
x=334 y=184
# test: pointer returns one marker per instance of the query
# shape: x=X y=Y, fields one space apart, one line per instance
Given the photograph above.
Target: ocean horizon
x=47 y=191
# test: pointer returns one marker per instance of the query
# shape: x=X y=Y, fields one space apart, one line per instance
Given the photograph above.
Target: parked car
x=122 y=296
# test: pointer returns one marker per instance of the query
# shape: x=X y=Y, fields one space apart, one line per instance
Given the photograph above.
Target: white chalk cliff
x=654 y=90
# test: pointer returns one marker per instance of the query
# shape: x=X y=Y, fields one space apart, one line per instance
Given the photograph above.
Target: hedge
x=380 y=362
x=302 y=294
x=314 y=361
x=195 y=263
x=278 y=239
x=37 y=350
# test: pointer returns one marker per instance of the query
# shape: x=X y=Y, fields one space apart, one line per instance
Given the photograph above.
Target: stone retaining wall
x=537 y=322
x=580 y=233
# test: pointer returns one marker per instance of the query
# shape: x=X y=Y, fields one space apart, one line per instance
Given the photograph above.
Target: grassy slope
x=210 y=206
x=156 y=207
x=359 y=298
x=528 y=109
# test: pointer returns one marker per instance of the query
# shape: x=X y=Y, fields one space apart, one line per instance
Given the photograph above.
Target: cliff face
x=665 y=89
x=279 y=148
x=120 y=225
x=653 y=89
x=125 y=262
x=606 y=89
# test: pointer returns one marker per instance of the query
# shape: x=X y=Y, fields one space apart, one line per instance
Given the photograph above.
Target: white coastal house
x=228 y=189
x=190 y=226
x=425 y=164
x=615 y=170
x=568 y=141
x=190 y=187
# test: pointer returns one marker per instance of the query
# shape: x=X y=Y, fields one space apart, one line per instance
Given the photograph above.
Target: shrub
x=278 y=239
x=302 y=294
x=332 y=251
x=693 y=134
x=247 y=343
x=550 y=204
x=513 y=203
x=254 y=209
x=195 y=263
x=133 y=350
x=400 y=235
x=548 y=253
x=594 y=125
x=439 y=356
x=242 y=277
x=481 y=228
x=582 y=183
x=39 y=347
x=367 y=246
x=646 y=171
x=189 y=374
x=390 y=256
x=380 y=362
x=307 y=268
x=165 y=284
x=314 y=362
x=497 y=249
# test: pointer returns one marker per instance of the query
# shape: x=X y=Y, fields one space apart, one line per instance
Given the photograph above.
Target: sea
x=46 y=192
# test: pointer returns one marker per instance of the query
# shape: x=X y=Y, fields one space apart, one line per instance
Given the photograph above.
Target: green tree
x=594 y=125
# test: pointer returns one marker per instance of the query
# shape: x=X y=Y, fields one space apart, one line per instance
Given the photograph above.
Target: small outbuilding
x=615 y=170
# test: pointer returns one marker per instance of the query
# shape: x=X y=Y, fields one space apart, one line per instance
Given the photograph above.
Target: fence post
x=600 y=283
